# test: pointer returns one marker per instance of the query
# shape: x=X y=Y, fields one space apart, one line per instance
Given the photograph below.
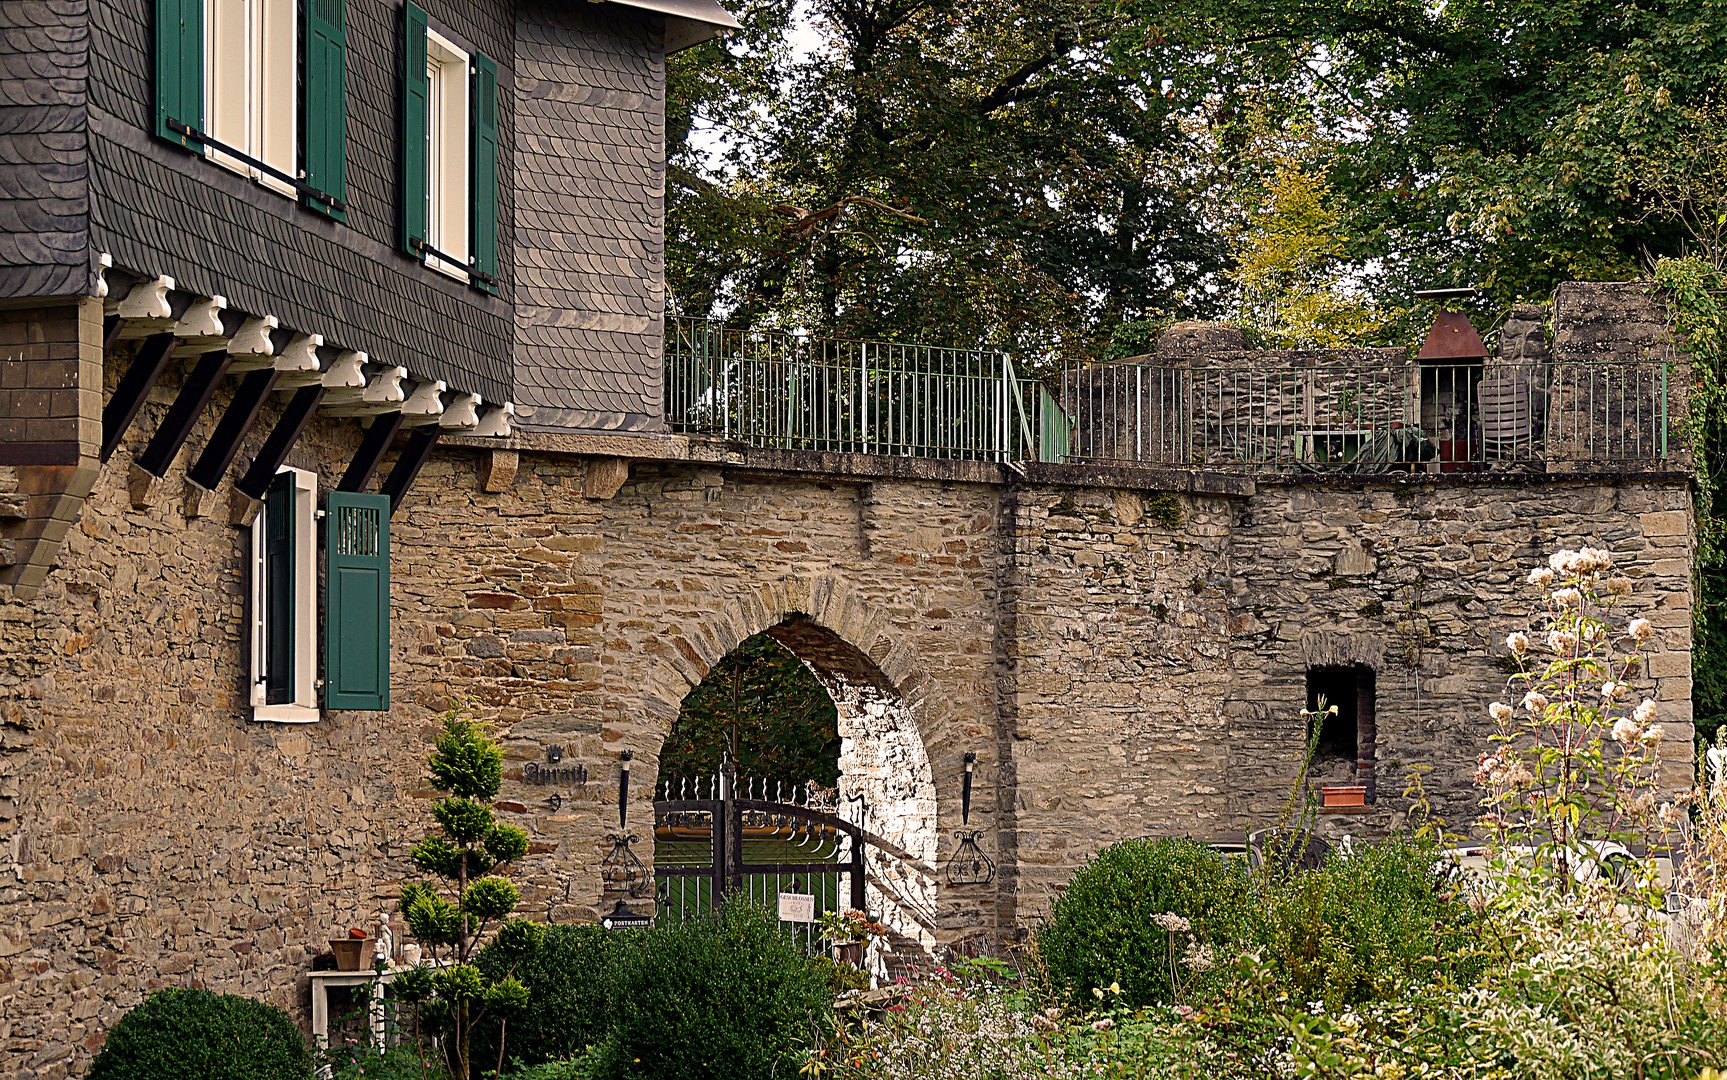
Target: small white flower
x=1567 y=598
x=1536 y=702
x=1172 y=922
x=1619 y=586
x=1559 y=562
x=1563 y=642
x=1500 y=711
x=1518 y=642
x=1102 y=1025
x=1626 y=730
x=1541 y=576
x=1645 y=712
x=1199 y=958
x=1611 y=690
x=1640 y=630
x=1651 y=735
x=1671 y=815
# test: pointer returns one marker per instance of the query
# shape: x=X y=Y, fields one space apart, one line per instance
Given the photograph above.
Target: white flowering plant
x=1574 y=759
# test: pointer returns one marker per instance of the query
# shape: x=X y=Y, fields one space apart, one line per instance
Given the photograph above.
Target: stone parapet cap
x=698 y=449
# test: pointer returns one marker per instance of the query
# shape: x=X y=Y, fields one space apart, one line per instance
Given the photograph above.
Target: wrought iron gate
x=716 y=836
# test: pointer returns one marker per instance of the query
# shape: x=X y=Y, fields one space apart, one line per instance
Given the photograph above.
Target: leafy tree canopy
x=766 y=709
x=1052 y=175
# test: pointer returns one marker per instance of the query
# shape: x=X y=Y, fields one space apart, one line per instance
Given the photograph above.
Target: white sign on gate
x=797 y=907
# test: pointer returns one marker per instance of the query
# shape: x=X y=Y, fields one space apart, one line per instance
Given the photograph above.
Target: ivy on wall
x=1696 y=289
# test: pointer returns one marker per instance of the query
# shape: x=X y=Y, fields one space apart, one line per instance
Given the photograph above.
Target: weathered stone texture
x=1121 y=661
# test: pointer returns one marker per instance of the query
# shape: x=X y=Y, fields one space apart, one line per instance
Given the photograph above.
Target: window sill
x=286 y=714
x=263 y=180
x=438 y=266
x=1348 y=809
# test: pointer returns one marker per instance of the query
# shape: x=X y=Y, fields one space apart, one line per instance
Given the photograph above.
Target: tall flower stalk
x=1574 y=760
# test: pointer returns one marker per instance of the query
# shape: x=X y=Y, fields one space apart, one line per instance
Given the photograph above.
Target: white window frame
x=251 y=85
x=304 y=708
x=449 y=155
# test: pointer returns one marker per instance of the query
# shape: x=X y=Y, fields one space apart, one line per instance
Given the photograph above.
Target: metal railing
x=793 y=392
x=1397 y=418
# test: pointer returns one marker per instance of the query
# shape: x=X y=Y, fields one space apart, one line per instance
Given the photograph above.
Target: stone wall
x=1122 y=660
x=50 y=431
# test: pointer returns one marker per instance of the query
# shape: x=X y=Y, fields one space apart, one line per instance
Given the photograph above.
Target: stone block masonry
x=1123 y=658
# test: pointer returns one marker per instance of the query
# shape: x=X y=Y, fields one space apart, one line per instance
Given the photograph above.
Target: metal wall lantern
x=969 y=865
x=621 y=871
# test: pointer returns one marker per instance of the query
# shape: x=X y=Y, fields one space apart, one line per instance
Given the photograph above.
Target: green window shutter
x=416 y=92
x=483 y=183
x=324 y=81
x=357 y=601
x=279 y=591
x=180 y=69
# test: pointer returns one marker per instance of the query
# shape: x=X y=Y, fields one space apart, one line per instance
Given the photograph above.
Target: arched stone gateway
x=887 y=782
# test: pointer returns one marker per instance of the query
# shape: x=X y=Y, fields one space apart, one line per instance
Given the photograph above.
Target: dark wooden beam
x=371 y=452
x=176 y=427
x=111 y=332
x=231 y=430
x=408 y=463
x=256 y=480
x=134 y=387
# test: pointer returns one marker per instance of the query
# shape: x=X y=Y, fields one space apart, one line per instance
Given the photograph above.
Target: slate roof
x=44 y=141
x=575 y=339
x=590 y=195
x=159 y=210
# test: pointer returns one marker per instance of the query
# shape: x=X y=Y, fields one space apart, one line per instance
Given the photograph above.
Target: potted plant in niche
x=849 y=932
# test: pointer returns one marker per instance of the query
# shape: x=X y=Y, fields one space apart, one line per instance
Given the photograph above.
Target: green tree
x=765 y=708
x=1504 y=143
x=1006 y=174
x=452 y=918
x=1291 y=268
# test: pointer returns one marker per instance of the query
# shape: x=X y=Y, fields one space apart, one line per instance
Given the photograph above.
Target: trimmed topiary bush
x=178 y=1033
x=728 y=996
x=569 y=984
x=1103 y=931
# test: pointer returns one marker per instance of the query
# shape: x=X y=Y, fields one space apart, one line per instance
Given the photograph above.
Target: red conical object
x=1453 y=337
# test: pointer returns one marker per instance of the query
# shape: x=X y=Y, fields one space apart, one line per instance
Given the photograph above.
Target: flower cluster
x=1574 y=759
x=849 y=926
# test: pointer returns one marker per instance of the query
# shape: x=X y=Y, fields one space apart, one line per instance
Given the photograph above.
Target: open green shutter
x=416 y=92
x=180 y=70
x=279 y=591
x=484 y=180
x=357 y=601
x=324 y=81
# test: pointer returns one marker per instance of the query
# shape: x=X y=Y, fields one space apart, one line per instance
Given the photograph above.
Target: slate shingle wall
x=159 y=210
x=44 y=140
x=590 y=191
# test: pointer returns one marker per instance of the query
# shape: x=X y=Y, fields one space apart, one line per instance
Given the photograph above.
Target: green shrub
x=1102 y=929
x=404 y=1062
x=579 y=1068
x=568 y=977
x=179 y=1033
x=1365 y=928
x=728 y=996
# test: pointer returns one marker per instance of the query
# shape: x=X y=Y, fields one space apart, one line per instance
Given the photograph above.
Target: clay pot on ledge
x=352 y=954
x=1332 y=795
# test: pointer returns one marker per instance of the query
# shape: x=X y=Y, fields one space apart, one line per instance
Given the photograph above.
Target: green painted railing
x=792 y=392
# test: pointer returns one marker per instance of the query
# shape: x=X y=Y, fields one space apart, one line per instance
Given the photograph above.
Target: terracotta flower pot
x=352 y=954
x=1343 y=795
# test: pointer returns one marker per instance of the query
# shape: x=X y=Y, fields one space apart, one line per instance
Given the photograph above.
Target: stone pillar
x=50 y=431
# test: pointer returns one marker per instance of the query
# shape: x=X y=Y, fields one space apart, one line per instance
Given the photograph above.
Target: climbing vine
x=1695 y=290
